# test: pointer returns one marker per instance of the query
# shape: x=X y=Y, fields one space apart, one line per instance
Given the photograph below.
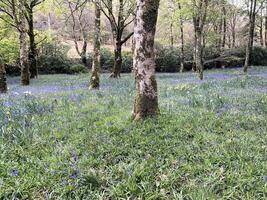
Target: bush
x=127 y=62
x=259 y=56
x=107 y=59
x=77 y=68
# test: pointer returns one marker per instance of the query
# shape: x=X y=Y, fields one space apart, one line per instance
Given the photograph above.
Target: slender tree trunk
x=3 y=85
x=265 y=33
x=249 y=47
x=233 y=34
x=83 y=53
x=146 y=101
x=25 y=73
x=224 y=27
x=32 y=46
x=199 y=50
x=117 y=60
x=181 y=40
x=261 y=28
x=171 y=36
x=95 y=82
x=194 y=52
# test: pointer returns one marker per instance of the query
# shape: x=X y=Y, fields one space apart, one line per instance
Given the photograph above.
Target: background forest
x=61 y=35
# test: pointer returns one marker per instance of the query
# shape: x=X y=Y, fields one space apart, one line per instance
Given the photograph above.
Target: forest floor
x=59 y=140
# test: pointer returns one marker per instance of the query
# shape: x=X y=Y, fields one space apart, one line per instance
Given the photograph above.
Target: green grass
x=210 y=141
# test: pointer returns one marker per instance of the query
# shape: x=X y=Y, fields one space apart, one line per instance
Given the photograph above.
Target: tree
x=125 y=16
x=181 y=23
x=94 y=83
x=13 y=13
x=199 y=19
x=32 y=52
x=77 y=15
x=252 y=18
x=146 y=100
x=3 y=85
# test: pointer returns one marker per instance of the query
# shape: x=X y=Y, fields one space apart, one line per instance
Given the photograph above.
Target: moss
x=145 y=106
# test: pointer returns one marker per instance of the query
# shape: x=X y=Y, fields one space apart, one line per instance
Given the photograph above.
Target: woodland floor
x=59 y=140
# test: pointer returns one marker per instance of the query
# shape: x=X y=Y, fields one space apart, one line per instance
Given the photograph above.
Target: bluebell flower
x=15 y=172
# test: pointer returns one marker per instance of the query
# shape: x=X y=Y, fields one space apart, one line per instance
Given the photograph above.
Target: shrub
x=77 y=68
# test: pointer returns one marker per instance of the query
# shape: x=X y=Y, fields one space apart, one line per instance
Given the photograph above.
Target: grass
x=63 y=141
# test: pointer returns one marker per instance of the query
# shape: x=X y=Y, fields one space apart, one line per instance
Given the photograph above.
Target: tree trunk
x=32 y=46
x=3 y=85
x=224 y=27
x=83 y=53
x=171 y=36
x=146 y=101
x=194 y=51
x=249 y=47
x=181 y=40
x=199 y=50
x=117 y=60
x=261 y=27
x=265 y=33
x=25 y=73
x=94 y=82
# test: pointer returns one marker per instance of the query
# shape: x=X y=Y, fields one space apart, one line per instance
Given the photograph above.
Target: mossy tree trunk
x=146 y=101
x=95 y=82
x=24 y=67
x=3 y=84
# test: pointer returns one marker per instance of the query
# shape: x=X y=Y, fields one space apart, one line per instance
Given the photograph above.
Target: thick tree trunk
x=25 y=73
x=95 y=82
x=117 y=60
x=146 y=101
x=32 y=46
x=3 y=85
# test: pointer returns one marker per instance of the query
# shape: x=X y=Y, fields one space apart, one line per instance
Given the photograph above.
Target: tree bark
x=181 y=40
x=116 y=71
x=95 y=82
x=25 y=73
x=146 y=101
x=224 y=26
x=32 y=46
x=265 y=33
x=252 y=17
x=199 y=50
x=3 y=84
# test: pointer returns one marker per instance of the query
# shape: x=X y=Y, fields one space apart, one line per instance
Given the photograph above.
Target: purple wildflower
x=15 y=172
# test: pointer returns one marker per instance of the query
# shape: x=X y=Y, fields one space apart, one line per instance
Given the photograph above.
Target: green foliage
x=78 y=68
x=208 y=143
x=9 y=49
